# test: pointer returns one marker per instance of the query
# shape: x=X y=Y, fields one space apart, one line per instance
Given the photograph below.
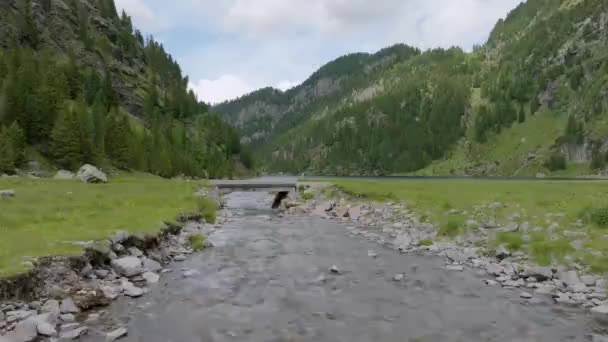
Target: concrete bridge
x=281 y=189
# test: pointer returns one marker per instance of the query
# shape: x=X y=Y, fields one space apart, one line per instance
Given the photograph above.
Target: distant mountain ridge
x=532 y=100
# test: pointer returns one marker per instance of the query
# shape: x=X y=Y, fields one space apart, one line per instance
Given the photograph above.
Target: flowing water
x=268 y=279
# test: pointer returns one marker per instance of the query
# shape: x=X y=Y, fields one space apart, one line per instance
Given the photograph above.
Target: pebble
x=68 y=306
x=180 y=258
x=190 y=273
x=74 y=334
x=455 y=268
x=399 y=277
x=525 y=295
x=372 y=254
x=334 y=269
x=116 y=334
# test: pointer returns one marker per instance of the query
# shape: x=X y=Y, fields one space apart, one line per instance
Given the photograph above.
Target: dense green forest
x=81 y=85
x=531 y=100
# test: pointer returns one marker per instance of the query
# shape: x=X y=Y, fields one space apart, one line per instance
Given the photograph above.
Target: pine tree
x=16 y=139
x=27 y=26
x=7 y=159
x=99 y=113
x=598 y=159
x=117 y=138
x=66 y=140
x=521 y=117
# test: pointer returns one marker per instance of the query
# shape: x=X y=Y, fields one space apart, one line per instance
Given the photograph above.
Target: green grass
x=308 y=196
x=538 y=203
x=46 y=217
x=197 y=242
x=425 y=242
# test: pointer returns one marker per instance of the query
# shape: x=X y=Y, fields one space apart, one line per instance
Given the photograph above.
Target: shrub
x=452 y=227
x=597 y=216
x=197 y=242
x=308 y=196
x=208 y=209
x=556 y=162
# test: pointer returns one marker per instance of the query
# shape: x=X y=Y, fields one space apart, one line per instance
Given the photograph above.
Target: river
x=268 y=278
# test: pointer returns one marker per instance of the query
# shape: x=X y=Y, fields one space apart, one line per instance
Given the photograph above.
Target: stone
x=64 y=175
x=74 y=334
x=495 y=269
x=93 y=317
x=7 y=193
x=68 y=306
x=502 y=253
x=190 y=273
x=372 y=254
x=120 y=237
x=540 y=273
x=128 y=266
x=151 y=265
x=570 y=278
x=131 y=290
x=26 y=330
x=399 y=277
x=525 y=295
x=111 y=292
x=589 y=280
x=455 y=268
x=511 y=227
x=334 y=269
x=18 y=315
x=490 y=282
x=51 y=306
x=180 y=258
x=151 y=278
x=35 y=306
x=102 y=274
x=564 y=299
x=46 y=329
x=90 y=174
x=354 y=213
x=116 y=334
x=600 y=312
x=68 y=318
x=134 y=251
x=598 y=338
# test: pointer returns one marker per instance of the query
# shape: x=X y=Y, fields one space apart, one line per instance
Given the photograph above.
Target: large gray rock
x=131 y=290
x=111 y=292
x=64 y=175
x=68 y=306
x=51 y=306
x=90 y=174
x=571 y=279
x=128 y=266
x=151 y=265
x=25 y=331
x=7 y=193
x=151 y=278
x=600 y=313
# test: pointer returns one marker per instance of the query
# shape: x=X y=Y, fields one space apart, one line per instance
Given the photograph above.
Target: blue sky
x=232 y=47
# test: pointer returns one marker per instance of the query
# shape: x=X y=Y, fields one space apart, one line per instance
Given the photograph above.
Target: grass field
x=46 y=217
x=551 y=208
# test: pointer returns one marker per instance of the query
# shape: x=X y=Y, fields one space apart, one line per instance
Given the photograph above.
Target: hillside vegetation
x=79 y=84
x=532 y=100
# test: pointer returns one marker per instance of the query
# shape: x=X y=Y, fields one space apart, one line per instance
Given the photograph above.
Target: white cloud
x=234 y=46
x=143 y=16
x=221 y=89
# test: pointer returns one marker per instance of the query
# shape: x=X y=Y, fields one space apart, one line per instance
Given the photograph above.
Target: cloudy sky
x=231 y=47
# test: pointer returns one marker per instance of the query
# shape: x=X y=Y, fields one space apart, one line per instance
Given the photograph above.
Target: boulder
x=354 y=213
x=90 y=174
x=151 y=278
x=111 y=292
x=571 y=279
x=68 y=306
x=600 y=313
x=7 y=193
x=51 y=306
x=128 y=266
x=151 y=265
x=131 y=290
x=64 y=175
x=25 y=331
x=47 y=330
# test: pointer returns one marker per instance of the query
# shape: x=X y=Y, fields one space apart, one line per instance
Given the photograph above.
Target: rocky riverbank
x=57 y=298
x=396 y=226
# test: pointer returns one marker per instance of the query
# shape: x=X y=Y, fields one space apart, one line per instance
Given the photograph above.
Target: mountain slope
x=78 y=84
x=533 y=99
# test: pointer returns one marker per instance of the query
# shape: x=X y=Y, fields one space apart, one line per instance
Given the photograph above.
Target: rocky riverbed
x=327 y=271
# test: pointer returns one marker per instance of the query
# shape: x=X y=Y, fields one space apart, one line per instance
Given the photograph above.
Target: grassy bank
x=47 y=217
x=566 y=220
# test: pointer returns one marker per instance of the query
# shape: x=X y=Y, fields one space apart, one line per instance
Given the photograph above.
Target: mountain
x=532 y=100
x=78 y=84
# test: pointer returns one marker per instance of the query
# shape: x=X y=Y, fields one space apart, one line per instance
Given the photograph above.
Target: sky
x=231 y=47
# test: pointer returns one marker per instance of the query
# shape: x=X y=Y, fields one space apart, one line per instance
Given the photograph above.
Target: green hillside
x=532 y=100
x=79 y=84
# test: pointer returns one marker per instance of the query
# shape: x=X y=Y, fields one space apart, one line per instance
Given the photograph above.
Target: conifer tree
x=16 y=139
x=117 y=138
x=66 y=139
x=7 y=159
x=521 y=117
x=27 y=26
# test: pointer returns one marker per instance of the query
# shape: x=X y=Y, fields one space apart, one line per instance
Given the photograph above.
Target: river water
x=268 y=279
